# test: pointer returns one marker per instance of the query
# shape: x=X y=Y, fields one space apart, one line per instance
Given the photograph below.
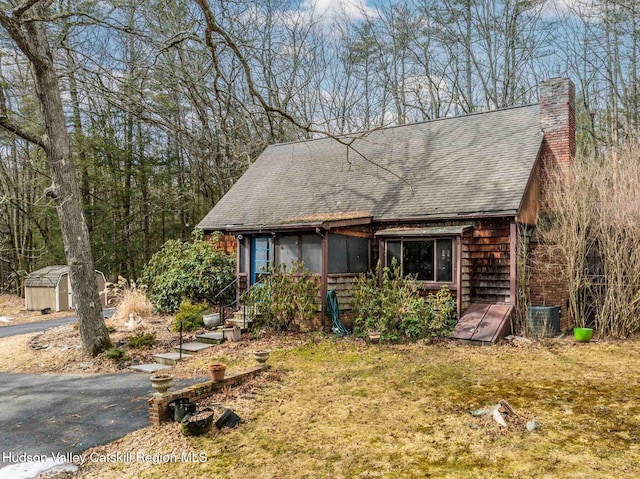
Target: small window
x=427 y=260
x=312 y=253
x=348 y=254
x=305 y=248
x=287 y=250
x=444 y=261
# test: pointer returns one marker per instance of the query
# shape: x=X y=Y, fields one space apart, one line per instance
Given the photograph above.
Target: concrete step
x=240 y=323
x=193 y=347
x=149 y=368
x=251 y=312
x=239 y=315
x=210 y=338
x=169 y=359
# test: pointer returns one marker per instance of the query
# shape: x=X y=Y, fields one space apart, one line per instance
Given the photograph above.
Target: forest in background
x=163 y=121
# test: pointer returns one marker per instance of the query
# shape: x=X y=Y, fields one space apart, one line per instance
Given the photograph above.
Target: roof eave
x=508 y=213
x=531 y=173
x=328 y=225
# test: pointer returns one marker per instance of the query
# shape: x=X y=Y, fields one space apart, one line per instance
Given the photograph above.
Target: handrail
x=224 y=308
x=224 y=289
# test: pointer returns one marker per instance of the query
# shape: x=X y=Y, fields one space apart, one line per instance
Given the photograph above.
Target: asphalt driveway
x=15 y=330
x=46 y=414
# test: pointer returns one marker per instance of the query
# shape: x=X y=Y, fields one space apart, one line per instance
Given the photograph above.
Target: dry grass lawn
x=62 y=351
x=343 y=409
x=12 y=306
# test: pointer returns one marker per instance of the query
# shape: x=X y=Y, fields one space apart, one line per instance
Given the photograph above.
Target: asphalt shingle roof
x=46 y=277
x=468 y=165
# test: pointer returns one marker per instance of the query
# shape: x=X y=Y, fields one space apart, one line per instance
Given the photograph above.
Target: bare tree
x=25 y=24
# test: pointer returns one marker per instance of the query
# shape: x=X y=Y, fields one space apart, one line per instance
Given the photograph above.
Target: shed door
x=261 y=256
x=63 y=292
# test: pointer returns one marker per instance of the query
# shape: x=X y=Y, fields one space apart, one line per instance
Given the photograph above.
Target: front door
x=261 y=256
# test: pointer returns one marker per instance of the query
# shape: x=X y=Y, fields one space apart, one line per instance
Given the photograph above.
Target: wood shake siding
x=342 y=283
x=485 y=263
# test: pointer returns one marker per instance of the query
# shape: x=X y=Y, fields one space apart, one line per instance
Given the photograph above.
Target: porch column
x=513 y=263
x=324 y=275
x=458 y=266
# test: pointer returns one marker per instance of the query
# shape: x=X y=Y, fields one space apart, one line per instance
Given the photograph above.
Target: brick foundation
x=159 y=407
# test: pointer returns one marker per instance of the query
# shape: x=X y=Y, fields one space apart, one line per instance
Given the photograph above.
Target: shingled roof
x=46 y=277
x=471 y=165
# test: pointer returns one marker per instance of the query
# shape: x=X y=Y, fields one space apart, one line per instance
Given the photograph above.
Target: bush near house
x=285 y=298
x=394 y=307
x=194 y=270
x=591 y=228
x=190 y=315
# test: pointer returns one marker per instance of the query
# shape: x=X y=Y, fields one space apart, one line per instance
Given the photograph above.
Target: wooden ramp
x=484 y=323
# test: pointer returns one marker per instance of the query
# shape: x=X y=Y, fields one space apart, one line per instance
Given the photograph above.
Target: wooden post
x=325 y=275
x=513 y=263
x=382 y=256
x=458 y=263
x=239 y=240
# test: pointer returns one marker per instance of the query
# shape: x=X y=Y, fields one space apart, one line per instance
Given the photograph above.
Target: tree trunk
x=31 y=38
x=65 y=191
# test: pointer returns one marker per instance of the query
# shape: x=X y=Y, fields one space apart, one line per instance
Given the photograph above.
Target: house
x=448 y=198
x=50 y=288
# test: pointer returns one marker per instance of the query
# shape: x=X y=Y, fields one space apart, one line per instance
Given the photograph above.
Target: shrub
x=116 y=354
x=444 y=313
x=285 y=298
x=142 y=340
x=592 y=233
x=416 y=323
x=395 y=308
x=194 y=270
x=190 y=315
x=131 y=300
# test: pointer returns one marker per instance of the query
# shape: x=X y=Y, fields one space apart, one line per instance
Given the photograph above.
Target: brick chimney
x=558 y=122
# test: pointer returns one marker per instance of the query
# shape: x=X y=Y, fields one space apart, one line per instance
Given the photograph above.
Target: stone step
x=239 y=315
x=149 y=368
x=192 y=347
x=169 y=359
x=240 y=323
x=210 y=338
x=250 y=311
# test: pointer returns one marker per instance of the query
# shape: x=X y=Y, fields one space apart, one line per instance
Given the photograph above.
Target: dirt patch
x=12 y=306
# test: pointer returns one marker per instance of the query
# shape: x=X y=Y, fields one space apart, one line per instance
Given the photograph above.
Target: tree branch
x=12 y=26
x=20 y=9
x=212 y=27
x=18 y=131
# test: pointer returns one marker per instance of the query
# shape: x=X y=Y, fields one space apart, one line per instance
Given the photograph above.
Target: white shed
x=50 y=288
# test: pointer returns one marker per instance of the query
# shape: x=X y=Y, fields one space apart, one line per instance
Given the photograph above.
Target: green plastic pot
x=583 y=335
